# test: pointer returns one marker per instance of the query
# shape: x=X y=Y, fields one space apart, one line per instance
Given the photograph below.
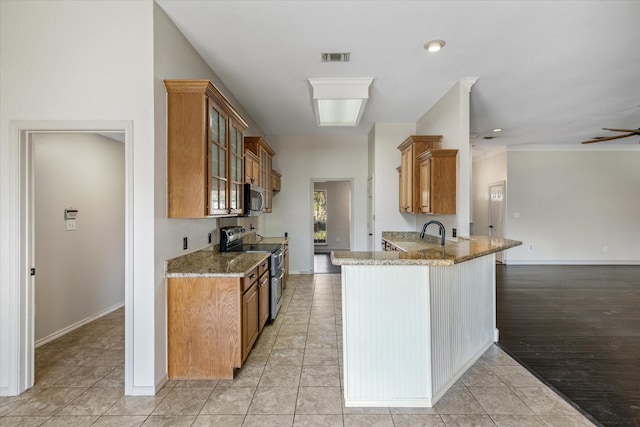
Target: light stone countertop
x=207 y=263
x=266 y=240
x=427 y=251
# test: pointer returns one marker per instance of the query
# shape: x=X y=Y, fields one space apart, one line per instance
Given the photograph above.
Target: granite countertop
x=212 y=263
x=266 y=240
x=207 y=263
x=427 y=251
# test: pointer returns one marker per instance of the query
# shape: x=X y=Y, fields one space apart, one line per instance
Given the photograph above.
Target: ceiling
x=549 y=72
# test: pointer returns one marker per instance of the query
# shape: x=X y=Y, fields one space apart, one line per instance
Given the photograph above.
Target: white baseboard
x=572 y=262
x=70 y=328
x=143 y=391
x=161 y=384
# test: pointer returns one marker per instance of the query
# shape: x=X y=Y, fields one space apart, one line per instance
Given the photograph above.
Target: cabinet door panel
x=425 y=186
x=263 y=287
x=250 y=319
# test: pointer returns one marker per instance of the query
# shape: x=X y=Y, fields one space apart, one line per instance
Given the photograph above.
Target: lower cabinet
x=213 y=322
x=250 y=319
x=263 y=290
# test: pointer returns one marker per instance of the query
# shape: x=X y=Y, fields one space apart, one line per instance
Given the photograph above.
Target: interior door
x=370 y=214
x=497 y=212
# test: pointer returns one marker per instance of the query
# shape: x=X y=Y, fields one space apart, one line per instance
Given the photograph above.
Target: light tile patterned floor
x=291 y=378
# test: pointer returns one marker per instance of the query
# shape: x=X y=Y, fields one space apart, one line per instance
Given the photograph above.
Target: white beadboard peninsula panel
x=385 y=331
x=410 y=332
x=462 y=318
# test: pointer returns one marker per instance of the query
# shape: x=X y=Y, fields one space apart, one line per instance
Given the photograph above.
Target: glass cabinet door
x=236 y=152
x=218 y=201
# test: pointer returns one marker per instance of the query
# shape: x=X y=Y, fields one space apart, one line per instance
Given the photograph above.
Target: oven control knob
x=242 y=230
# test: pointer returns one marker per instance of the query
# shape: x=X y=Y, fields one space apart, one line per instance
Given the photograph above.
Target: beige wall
x=449 y=117
x=80 y=273
x=301 y=159
x=486 y=171
x=384 y=140
x=87 y=61
x=574 y=206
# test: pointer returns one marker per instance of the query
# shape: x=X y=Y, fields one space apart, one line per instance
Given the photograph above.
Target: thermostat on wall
x=70 y=214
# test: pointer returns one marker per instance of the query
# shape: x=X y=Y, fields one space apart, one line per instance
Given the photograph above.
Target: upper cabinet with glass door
x=204 y=137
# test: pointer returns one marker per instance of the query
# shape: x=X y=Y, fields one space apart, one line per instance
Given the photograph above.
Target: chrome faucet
x=424 y=228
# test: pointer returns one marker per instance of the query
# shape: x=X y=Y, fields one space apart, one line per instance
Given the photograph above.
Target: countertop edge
x=195 y=267
x=466 y=249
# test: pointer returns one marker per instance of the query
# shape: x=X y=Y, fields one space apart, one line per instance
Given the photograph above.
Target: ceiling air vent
x=336 y=56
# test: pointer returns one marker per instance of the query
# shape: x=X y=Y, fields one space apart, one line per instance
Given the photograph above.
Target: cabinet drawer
x=263 y=267
x=250 y=279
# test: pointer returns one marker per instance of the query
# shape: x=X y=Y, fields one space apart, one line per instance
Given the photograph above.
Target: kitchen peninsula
x=415 y=316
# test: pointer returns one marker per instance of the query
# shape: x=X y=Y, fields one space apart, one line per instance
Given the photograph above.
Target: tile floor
x=291 y=378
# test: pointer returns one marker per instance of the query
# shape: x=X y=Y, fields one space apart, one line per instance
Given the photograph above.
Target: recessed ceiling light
x=497 y=130
x=434 y=45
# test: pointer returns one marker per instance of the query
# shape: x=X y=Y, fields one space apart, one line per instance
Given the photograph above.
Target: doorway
x=497 y=213
x=331 y=221
x=22 y=356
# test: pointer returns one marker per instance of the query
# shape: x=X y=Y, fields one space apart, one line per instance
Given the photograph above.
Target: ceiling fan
x=629 y=132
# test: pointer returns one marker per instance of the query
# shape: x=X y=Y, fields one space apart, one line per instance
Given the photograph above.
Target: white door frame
x=500 y=256
x=20 y=290
x=351 y=202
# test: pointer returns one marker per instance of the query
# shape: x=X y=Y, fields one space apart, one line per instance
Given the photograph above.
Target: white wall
x=567 y=206
x=80 y=273
x=338 y=215
x=449 y=117
x=78 y=61
x=175 y=58
x=384 y=139
x=301 y=158
x=486 y=171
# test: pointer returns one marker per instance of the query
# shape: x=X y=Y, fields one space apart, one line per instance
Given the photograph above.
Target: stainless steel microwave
x=253 y=200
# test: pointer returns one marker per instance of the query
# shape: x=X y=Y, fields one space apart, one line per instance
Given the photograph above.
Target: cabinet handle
x=252 y=276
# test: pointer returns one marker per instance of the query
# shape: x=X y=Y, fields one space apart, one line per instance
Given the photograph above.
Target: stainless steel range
x=232 y=239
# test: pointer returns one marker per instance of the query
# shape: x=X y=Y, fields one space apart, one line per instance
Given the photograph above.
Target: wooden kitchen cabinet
x=204 y=151
x=410 y=149
x=204 y=327
x=264 y=289
x=276 y=181
x=251 y=168
x=258 y=146
x=437 y=188
x=263 y=299
x=213 y=322
x=250 y=319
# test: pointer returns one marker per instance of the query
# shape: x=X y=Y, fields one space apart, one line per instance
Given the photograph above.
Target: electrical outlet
x=209 y=237
x=184 y=243
x=71 y=224
x=454 y=232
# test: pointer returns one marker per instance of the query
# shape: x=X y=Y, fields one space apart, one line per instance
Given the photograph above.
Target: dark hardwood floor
x=578 y=329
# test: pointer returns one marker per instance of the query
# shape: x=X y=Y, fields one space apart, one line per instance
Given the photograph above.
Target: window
x=320 y=217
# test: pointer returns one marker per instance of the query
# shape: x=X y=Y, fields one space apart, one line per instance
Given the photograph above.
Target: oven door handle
x=280 y=275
